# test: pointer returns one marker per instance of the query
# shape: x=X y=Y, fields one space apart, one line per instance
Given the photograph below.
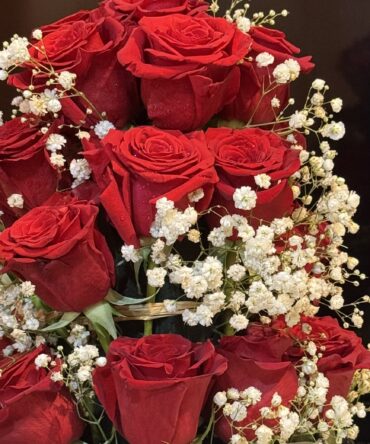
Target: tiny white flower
x=102 y=128
x=238 y=411
x=170 y=305
x=15 y=201
x=294 y=68
x=244 y=24
x=236 y=272
x=318 y=84
x=101 y=361
x=239 y=322
x=317 y=99
x=276 y=400
x=56 y=377
x=220 y=399
x=190 y=318
x=233 y=394
x=252 y=394
x=54 y=105
x=204 y=315
x=80 y=171
x=238 y=439
x=333 y=130
x=309 y=367
x=37 y=34
x=67 y=79
x=58 y=160
x=336 y=105
x=84 y=373
x=297 y=120
x=37 y=106
x=264 y=434
x=336 y=302
x=83 y=135
x=245 y=198
x=264 y=59
x=352 y=263
x=214 y=8
x=194 y=236
x=3 y=75
x=237 y=300
x=55 y=142
x=275 y=102
x=263 y=181
x=196 y=195
x=281 y=73
x=130 y=254
x=42 y=361
x=156 y=277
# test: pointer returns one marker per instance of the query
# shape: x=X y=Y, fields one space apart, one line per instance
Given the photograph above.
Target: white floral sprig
x=20 y=319
x=310 y=414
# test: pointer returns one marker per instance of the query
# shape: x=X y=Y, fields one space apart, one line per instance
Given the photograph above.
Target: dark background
x=336 y=33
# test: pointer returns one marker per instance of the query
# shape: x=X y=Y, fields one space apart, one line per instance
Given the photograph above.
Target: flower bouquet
x=171 y=227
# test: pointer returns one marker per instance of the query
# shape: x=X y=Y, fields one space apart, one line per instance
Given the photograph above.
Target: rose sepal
x=101 y=318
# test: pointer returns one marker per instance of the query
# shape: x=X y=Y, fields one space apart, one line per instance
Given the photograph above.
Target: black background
x=335 y=32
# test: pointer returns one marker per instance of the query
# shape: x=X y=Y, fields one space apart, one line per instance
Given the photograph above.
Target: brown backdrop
x=335 y=32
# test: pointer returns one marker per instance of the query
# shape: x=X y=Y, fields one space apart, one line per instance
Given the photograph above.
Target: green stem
x=104 y=339
x=208 y=429
x=229 y=331
x=150 y=292
x=97 y=431
x=229 y=260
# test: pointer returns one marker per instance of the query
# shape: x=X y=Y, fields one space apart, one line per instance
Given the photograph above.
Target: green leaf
x=235 y=124
x=101 y=314
x=65 y=320
x=117 y=299
x=39 y=304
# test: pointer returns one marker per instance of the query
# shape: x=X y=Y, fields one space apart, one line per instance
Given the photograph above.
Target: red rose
x=243 y=154
x=342 y=352
x=34 y=409
x=87 y=46
x=250 y=103
x=25 y=167
x=60 y=251
x=154 y=388
x=135 y=168
x=188 y=67
x=256 y=360
x=136 y=9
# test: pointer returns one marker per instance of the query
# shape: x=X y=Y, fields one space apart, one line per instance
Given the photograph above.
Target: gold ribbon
x=151 y=311
x=138 y=312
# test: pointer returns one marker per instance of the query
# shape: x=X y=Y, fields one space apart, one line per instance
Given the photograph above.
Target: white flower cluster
x=245 y=198
x=19 y=318
x=239 y=15
x=77 y=367
x=171 y=223
x=55 y=143
x=130 y=254
x=309 y=414
x=38 y=103
x=13 y=54
x=15 y=201
x=234 y=406
x=78 y=336
x=286 y=72
x=316 y=116
x=102 y=128
x=286 y=268
x=67 y=80
x=80 y=171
